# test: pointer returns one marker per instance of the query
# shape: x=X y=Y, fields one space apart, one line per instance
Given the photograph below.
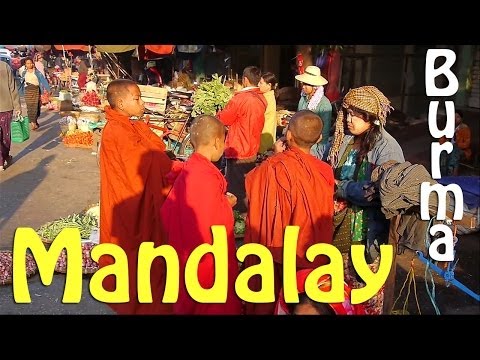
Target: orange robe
x=196 y=202
x=133 y=186
x=291 y=188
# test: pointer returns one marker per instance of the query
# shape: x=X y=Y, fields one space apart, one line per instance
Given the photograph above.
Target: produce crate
x=153 y=91
x=155 y=98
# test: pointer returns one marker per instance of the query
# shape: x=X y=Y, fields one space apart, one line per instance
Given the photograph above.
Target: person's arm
x=357 y=192
x=12 y=85
x=229 y=114
x=43 y=82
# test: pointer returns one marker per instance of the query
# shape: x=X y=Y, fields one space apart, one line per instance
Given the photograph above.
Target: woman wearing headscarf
x=313 y=98
x=33 y=85
x=359 y=145
x=307 y=306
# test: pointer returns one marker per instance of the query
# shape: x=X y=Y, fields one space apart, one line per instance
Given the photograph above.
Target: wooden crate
x=153 y=91
x=155 y=98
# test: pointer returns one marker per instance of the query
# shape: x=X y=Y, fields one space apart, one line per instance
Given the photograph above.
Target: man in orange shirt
x=244 y=115
x=290 y=188
x=133 y=187
x=463 y=136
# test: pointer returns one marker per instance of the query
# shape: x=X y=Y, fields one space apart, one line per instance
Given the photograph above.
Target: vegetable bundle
x=239 y=228
x=210 y=97
x=86 y=223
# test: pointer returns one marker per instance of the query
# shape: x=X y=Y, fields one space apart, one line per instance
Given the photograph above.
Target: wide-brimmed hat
x=312 y=76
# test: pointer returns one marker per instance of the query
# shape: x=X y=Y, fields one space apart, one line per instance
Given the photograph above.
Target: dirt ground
x=48 y=181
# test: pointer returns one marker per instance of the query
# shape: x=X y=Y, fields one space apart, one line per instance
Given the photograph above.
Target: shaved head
x=117 y=89
x=306 y=128
x=205 y=129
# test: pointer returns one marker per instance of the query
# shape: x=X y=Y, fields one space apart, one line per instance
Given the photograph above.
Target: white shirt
x=31 y=78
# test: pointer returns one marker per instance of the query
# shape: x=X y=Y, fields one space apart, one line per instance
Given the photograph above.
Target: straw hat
x=312 y=76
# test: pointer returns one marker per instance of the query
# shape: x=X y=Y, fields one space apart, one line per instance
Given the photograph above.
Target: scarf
x=366 y=98
x=315 y=99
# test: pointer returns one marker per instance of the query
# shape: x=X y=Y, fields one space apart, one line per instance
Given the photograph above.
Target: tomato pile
x=91 y=99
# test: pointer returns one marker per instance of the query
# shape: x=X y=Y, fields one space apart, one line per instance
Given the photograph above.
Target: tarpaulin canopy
x=71 y=47
x=18 y=47
x=11 y=47
x=160 y=49
x=42 y=47
x=115 y=48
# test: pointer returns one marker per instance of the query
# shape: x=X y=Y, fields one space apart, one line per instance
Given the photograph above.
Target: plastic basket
x=20 y=130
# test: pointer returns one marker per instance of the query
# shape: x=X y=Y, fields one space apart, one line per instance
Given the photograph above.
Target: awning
x=160 y=49
x=11 y=47
x=42 y=47
x=115 y=48
x=71 y=47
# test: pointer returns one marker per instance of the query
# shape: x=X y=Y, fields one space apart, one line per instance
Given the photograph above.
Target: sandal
x=9 y=161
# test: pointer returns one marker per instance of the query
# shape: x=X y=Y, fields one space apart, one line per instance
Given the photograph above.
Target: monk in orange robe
x=291 y=187
x=197 y=201
x=133 y=187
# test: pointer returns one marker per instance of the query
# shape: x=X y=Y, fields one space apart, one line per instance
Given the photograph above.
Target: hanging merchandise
x=332 y=69
x=115 y=48
x=300 y=68
x=154 y=51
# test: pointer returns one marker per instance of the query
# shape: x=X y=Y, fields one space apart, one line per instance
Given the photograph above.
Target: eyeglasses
x=350 y=114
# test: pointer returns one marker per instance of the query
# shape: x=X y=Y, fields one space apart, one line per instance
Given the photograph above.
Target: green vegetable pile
x=239 y=228
x=85 y=223
x=210 y=97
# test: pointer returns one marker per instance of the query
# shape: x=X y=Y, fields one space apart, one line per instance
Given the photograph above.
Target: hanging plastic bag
x=45 y=98
x=20 y=129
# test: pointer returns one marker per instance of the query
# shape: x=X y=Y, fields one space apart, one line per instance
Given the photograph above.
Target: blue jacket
x=41 y=79
x=386 y=148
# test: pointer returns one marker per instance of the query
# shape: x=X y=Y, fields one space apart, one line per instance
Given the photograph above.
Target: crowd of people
x=318 y=181
x=319 y=177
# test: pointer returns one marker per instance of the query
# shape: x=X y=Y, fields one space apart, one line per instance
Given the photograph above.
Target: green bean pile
x=84 y=222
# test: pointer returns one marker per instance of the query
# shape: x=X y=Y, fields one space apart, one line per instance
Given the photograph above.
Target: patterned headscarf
x=366 y=98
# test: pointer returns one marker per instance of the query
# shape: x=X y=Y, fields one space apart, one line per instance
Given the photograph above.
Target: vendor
x=82 y=69
x=313 y=98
